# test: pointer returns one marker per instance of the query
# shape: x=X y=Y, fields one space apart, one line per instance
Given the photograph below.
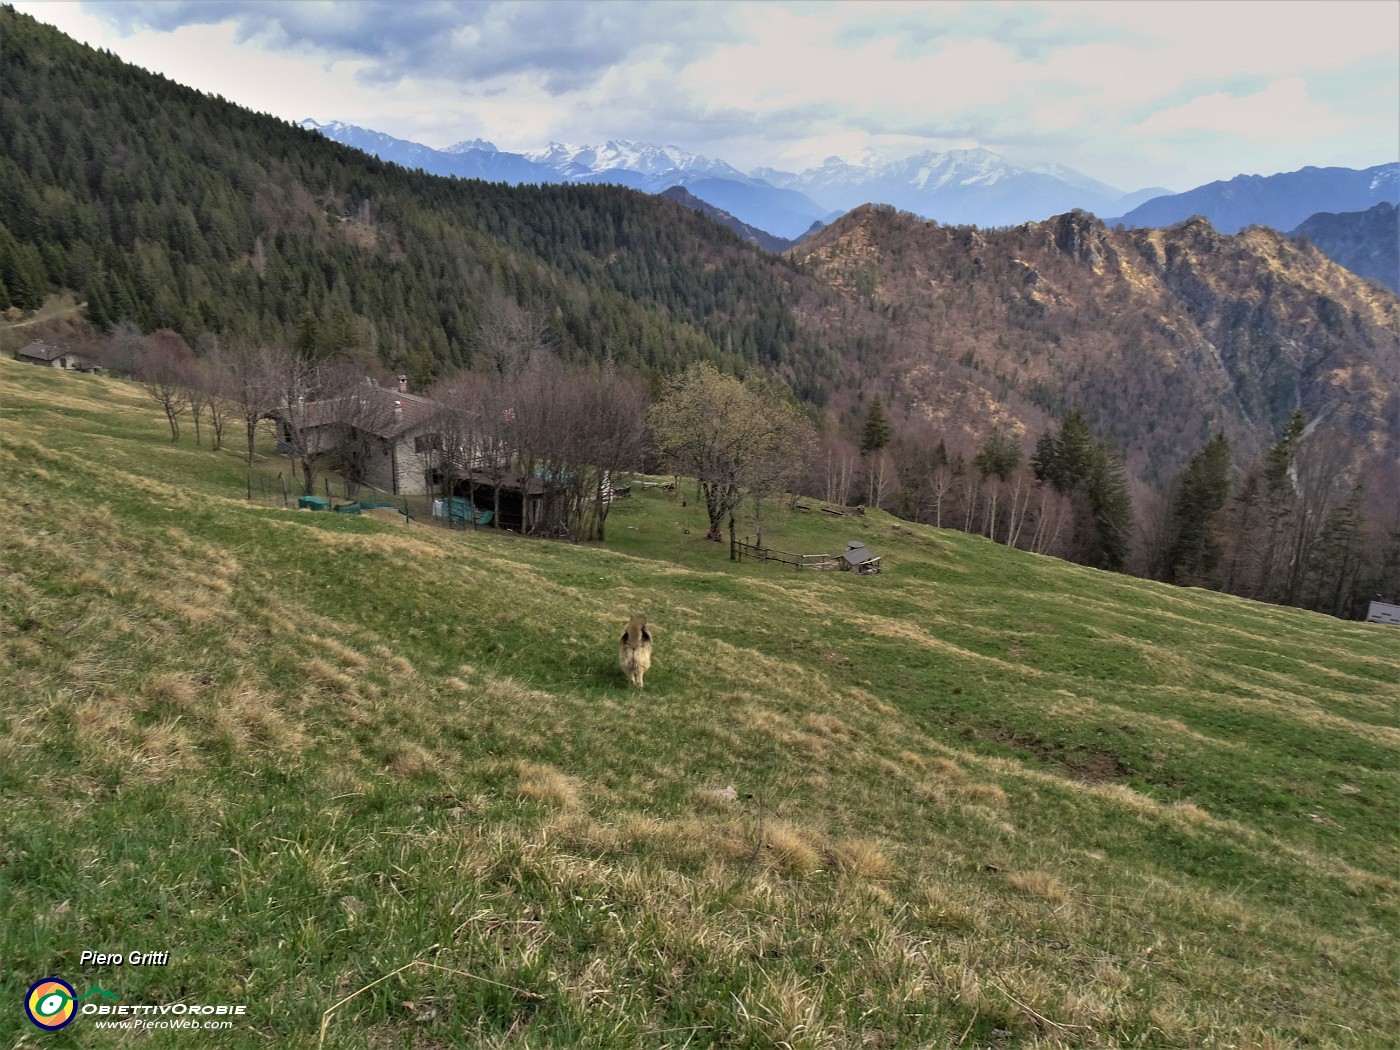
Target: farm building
x=857 y=558
x=521 y=500
x=389 y=438
x=55 y=355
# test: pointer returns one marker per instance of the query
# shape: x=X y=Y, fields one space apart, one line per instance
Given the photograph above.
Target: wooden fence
x=741 y=549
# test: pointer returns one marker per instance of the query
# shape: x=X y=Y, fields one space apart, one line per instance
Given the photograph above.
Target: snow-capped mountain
x=473 y=159
x=973 y=186
x=589 y=162
x=785 y=213
x=958 y=186
x=467 y=145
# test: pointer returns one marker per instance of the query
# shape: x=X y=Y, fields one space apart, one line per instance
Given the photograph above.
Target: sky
x=1135 y=93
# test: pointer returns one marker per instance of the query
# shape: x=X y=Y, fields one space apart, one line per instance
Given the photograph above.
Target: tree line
x=1288 y=528
x=1294 y=526
x=525 y=418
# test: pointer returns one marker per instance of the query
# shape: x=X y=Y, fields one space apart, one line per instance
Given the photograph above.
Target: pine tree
x=1069 y=460
x=877 y=432
x=998 y=456
x=1065 y=457
x=1111 y=506
x=1201 y=493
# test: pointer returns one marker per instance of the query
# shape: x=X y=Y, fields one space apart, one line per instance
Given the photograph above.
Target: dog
x=635 y=652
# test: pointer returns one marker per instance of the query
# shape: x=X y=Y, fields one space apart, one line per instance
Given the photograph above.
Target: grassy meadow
x=986 y=799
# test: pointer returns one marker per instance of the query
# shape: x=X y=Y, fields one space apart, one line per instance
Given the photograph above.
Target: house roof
x=531 y=486
x=375 y=412
x=42 y=351
x=857 y=553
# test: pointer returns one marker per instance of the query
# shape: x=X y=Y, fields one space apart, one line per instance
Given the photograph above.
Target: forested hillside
x=1161 y=337
x=178 y=210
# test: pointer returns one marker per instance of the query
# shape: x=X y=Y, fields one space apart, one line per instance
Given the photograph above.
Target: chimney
x=369 y=381
x=403 y=384
x=398 y=411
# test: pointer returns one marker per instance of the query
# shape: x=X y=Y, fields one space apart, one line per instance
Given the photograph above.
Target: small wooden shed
x=857 y=558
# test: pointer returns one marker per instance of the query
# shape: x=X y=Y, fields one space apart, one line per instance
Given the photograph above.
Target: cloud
x=1179 y=92
x=566 y=45
x=1282 y=111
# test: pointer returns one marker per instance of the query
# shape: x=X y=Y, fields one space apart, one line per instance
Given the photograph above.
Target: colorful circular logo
x=50 y=1003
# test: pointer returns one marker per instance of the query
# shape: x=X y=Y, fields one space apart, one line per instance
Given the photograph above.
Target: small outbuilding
x=55 y=355
x=857 y=558
x=1383 y=612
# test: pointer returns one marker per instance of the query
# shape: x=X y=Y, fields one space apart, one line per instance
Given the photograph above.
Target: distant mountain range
x=1161 y=337
x=785 y=213
x=975 y=187
x=1279 y=201
x=959 y=187
x=1366 y=242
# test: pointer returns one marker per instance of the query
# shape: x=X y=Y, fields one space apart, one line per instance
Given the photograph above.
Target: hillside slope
x=1160 y=336
x=984 y=798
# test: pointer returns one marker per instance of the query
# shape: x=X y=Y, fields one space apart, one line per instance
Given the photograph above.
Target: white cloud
x=1281 y=112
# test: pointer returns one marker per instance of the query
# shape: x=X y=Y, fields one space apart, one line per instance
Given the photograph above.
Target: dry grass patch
x=250 y=718
x=196 y=605
x=543 y=783
x=790 y=849
x=719 y=798
x=170 y=692
x=828 y=726
x=1039 y=884
x=100 y=722
x=859 y=858
x=939 y=905
x=347 y=656
x=162 y=751
x=1187 y=814
x=407 y=760
x=988 y=794
x=912 y=760
x=321 y=673
x=885 y=627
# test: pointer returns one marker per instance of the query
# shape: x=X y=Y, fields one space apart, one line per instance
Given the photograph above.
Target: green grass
x=986 y=797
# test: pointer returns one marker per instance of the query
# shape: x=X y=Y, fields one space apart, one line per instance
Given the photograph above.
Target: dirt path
x=41 y=317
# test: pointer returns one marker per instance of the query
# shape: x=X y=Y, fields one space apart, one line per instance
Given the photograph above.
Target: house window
x=427 y=443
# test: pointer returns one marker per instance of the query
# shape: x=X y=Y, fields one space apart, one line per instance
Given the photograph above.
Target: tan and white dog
x=635 y=652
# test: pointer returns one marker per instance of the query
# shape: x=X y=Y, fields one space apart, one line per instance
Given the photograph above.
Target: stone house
x=55 y=355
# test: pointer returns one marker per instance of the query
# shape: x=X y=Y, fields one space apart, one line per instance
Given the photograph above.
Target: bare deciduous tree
x=508 y=337
x=163 y=367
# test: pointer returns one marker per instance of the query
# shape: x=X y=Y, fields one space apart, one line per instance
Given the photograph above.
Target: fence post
x=733 y=550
